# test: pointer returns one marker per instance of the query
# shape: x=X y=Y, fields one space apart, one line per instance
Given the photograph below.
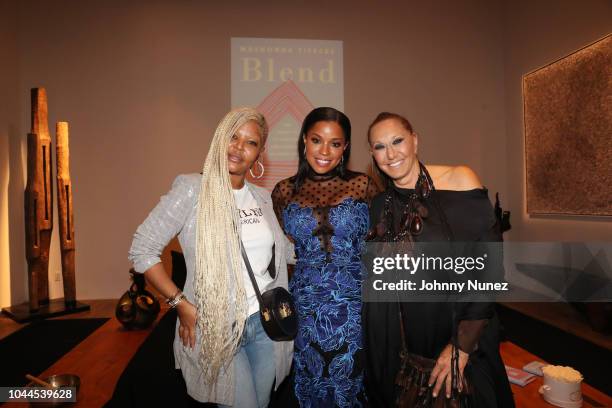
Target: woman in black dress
x=430 y=204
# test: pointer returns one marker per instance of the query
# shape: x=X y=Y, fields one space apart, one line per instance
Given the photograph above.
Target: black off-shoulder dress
x=429 y=326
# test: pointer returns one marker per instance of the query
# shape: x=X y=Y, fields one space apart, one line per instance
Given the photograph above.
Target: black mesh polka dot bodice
x=320 y=193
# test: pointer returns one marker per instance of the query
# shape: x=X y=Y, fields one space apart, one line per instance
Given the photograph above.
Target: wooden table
x=99 y=361
x=528 y=396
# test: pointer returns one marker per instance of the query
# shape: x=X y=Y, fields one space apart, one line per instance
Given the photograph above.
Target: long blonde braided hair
x=218 y=282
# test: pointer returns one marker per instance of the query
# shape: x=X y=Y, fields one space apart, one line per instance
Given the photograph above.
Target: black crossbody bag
x=276 y=308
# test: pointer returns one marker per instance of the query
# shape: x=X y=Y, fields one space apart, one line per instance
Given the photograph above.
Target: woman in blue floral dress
x=324 y=211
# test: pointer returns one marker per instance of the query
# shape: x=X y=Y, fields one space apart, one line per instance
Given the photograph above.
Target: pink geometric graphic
x=287 y=99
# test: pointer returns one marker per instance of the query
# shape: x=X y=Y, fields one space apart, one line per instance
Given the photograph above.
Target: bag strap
x=401 y=322
x=251 y=275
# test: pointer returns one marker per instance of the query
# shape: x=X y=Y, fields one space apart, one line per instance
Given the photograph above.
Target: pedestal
x=56 y=307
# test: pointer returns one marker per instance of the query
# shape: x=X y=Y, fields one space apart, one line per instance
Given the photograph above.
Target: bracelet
x=170 y=299
x=176 y=299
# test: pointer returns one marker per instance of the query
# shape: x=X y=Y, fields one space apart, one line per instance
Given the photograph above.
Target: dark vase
x=137 y=308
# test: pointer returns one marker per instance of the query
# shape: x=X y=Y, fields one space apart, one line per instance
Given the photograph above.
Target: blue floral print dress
x=327 y=219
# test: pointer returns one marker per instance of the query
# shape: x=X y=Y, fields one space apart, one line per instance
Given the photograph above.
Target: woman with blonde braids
x=220 y=346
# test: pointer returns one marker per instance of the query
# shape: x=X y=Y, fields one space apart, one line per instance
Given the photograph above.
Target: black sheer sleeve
x=280 y=198
x=473 y=317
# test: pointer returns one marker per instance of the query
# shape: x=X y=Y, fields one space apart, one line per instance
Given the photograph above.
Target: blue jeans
x=254 y=367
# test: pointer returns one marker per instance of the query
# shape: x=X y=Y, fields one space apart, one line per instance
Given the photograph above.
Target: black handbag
x=412 y=382
x=276 y=308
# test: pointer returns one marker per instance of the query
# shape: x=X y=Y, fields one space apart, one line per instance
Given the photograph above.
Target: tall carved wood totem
x=65 y=214
x=38 y=202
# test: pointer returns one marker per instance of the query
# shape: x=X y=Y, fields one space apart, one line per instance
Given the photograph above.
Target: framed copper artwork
x=567 y=108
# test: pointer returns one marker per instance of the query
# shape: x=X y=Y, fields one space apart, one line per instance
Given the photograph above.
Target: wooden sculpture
x=33 y=213
x=64 y=207
x=39 y=202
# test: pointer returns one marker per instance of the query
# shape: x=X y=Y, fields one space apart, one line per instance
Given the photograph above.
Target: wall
x=144 y=83
x=535 y=34
x=12 y=255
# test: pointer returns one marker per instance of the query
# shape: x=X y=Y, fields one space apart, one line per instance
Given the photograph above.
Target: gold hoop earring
x=262 y=171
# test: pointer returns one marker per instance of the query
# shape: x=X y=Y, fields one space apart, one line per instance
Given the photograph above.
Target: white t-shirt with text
x=258 y=241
